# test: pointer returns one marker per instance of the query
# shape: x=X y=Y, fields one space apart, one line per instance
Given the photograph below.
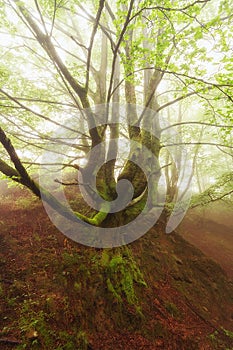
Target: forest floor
x=56 y=294
x=211 y=230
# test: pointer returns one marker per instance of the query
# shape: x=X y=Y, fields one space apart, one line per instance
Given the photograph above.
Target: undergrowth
x=122 y=274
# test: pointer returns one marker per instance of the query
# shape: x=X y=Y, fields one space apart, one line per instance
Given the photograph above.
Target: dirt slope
x=211 y=230
x=162 y=293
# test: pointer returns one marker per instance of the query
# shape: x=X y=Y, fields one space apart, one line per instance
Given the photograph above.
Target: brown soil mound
x=57 y=294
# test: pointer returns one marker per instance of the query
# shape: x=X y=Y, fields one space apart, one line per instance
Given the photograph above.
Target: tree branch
x=161 y=8
x=211 y=200
x=24 y=177
x=41 y=17
x=45 y=41
x=196 y=143
x=20 y=175
x=94 y=30
x=196 y=123
x=115 y=53
x=34 y=112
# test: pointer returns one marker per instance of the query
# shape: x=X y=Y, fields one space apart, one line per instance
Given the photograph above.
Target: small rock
x=179 y=261
x=32 y=334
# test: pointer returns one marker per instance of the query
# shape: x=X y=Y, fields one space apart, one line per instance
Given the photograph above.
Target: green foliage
x=71 y=342
x=122 y=276
x=70 y=259
x=35 y=322
x=1 y=289
x=105 y=257
x=172 y=309
x=219 y=190
x=4 y=75
x=113 y=291
x=228 y=333
x=26 y=202
x=77 y=286
x=215 y=339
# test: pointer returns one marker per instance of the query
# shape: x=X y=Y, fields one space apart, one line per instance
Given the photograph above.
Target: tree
x=66 y=59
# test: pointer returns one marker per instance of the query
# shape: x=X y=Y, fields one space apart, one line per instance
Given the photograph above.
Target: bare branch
x=161 y=8
x=34 y=112
x=41 y=16
x=39 y=100
x=63 y=165
x=178 y=99
x=45 y=42
x=115 y=52
x=54 y=16
x=24 y=177
x=196 y=143
x=197 y=123
x=94 y=30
